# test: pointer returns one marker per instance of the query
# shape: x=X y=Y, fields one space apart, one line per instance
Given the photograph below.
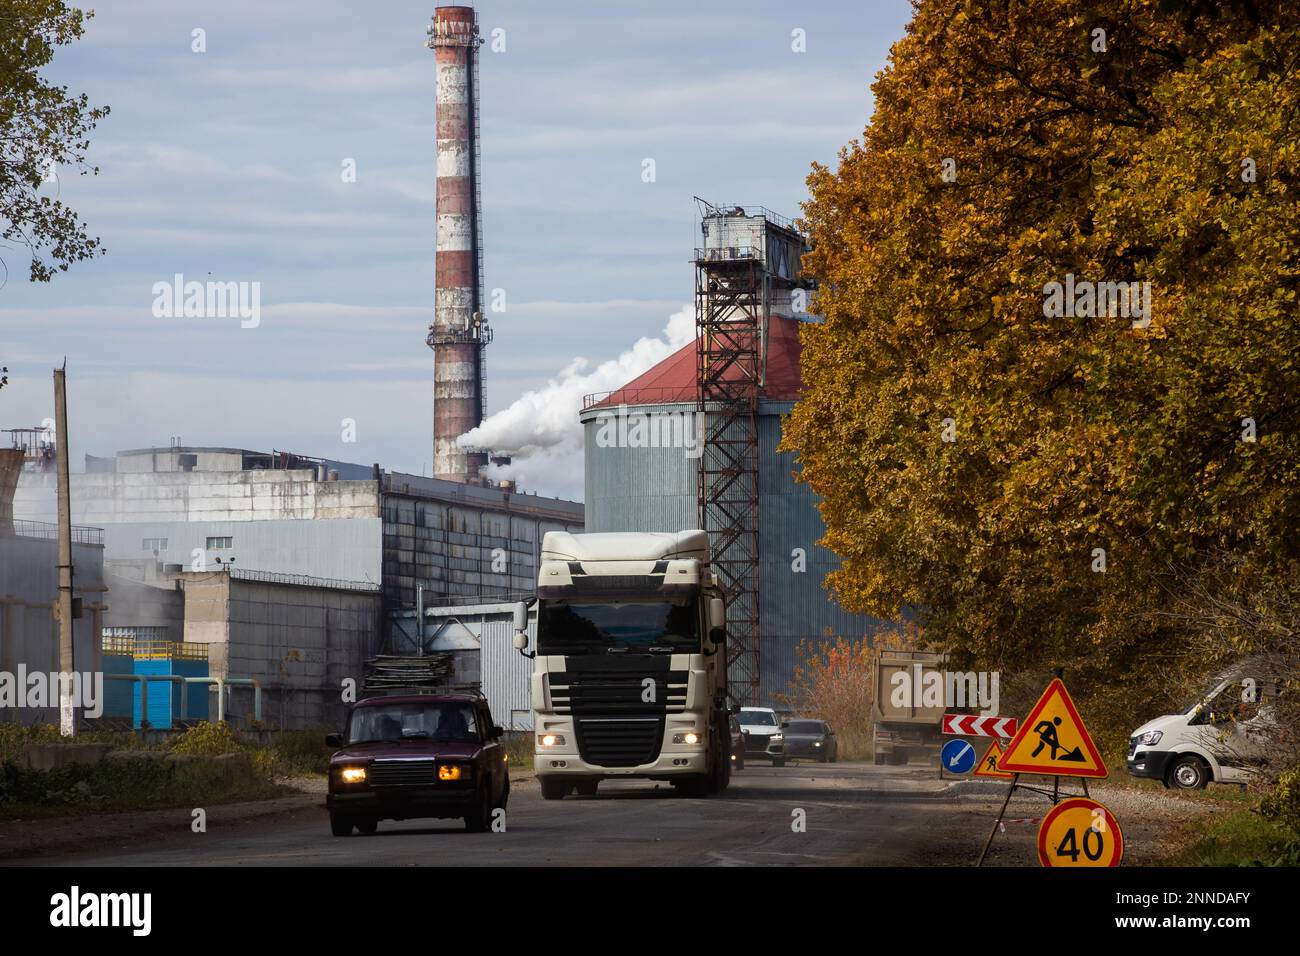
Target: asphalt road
x=853 y=814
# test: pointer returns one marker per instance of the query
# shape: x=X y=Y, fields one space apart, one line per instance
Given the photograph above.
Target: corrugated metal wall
x=505 y=675
x=654 y=489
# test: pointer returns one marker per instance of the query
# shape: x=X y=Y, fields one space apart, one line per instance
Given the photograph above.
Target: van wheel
x=554 y=788
x=340 y=825
x=1189 y=772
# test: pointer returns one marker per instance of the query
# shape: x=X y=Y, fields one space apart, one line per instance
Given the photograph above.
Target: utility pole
x=67 y=717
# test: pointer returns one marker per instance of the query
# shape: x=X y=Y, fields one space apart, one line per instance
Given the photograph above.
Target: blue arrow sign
x=957 y=756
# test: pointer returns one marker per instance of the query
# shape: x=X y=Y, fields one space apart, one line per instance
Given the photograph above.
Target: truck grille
x=401 y=773
x=620 y=742
x=616 y=692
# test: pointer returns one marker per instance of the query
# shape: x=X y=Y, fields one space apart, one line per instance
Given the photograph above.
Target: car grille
x=620 y=742
x=616 y=692
x=757 y=742
x=401 y=773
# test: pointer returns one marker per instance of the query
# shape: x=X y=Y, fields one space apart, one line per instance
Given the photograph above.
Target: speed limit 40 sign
x=1080 y=832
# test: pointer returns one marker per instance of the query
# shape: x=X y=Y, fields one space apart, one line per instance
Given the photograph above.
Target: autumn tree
x=44 y=133
x=1021 y=476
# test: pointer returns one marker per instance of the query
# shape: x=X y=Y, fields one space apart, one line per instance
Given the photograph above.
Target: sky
x=229 y=165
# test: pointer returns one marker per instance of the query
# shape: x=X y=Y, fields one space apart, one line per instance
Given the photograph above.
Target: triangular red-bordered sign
x=988 y=764
x=1053 y=740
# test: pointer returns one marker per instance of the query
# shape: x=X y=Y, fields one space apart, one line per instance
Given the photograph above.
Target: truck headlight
x=353 y=774
x=550 y=740
x=1150 y=737
x=453 y=771
x=690 y=738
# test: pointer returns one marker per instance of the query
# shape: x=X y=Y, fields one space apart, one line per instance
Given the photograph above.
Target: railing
x=727 y=253
x=43 y=529
x=650 y=395
x=302 y=580
x=153 y=648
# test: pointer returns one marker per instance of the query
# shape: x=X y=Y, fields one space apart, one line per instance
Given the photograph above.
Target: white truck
x=630 y=673
x=1221 y=737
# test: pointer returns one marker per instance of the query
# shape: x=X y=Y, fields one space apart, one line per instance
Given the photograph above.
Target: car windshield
x=566 y=627
x=752 y=717
x=432 y=721
x=806 y=727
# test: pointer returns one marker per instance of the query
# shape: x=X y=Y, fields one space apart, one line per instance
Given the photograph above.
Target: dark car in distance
x=810 y=738
x=402 y=758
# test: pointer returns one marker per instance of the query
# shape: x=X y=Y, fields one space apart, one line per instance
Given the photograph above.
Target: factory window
x=221 y=544
x=153 y=544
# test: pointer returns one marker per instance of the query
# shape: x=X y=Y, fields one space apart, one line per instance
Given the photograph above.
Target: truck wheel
x=588 y=788
x=694 y=786
x=340 y=825
x=1188 y=772
x=554 y=788
x=368 y=826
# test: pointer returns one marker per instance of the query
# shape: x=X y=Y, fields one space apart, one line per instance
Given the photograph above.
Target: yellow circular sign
x=1080 y=832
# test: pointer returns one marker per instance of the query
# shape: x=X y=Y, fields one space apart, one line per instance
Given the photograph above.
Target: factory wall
x=300 y=642
x=29 y=585
x=654 y=489
x=505 y=676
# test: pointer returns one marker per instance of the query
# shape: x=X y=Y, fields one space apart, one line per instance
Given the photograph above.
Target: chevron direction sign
x=968 y=725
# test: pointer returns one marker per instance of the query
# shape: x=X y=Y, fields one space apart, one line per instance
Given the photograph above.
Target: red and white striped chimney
x=458 y=333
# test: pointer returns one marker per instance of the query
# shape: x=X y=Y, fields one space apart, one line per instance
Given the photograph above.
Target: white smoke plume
x=540 y=429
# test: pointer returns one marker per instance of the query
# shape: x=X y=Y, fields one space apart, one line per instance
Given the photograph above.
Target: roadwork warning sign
x=1053 y=740
x=988 y=764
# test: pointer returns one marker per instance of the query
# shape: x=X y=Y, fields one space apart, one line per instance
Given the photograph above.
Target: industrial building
x=692 y=442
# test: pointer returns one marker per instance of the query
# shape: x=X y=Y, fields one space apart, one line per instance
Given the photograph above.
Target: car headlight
x=1150 y=737
x=690 y=738
x=817 y=743
x=776 y=738
x=353 y=774
x=453 y=771
x=551 y=740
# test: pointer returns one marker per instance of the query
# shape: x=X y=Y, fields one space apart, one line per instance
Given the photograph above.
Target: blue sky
x=225 y=165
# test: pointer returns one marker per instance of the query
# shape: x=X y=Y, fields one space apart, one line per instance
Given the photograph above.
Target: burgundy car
x=418 y=756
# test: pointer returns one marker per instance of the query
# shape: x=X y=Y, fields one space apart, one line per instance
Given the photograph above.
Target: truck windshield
x=388 y=722
x=567 y=627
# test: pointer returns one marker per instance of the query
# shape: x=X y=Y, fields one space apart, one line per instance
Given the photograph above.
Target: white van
x=1220 y=737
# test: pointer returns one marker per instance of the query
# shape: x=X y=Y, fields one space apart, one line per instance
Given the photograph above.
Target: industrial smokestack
x=458 y=333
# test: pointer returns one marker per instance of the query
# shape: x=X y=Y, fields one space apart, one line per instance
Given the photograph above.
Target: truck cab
x=1218 y=738
x=629 y=674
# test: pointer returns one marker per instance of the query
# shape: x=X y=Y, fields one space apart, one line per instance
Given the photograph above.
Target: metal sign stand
x=1054 y=794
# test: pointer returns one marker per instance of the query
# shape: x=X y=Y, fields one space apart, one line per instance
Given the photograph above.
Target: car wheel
x=740 y=762
x=1189 y=772
x=553 y=788
x=368 y=826
x=587 y=788
x=340 y=825
x=835 y=755
x=778 y=761
x=823 y=757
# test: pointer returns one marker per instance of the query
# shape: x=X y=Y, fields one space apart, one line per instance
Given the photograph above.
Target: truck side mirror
x=717 y=615
x=521 y=640
x=521 y=618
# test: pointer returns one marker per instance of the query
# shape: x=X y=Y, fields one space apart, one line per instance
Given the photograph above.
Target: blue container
x=117 y=693
x=165 y=696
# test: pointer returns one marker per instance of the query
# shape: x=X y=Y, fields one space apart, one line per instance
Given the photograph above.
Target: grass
x=1238 y=837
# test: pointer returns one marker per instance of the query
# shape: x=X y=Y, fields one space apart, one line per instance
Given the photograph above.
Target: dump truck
x=629 y=674
x=903 y=729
